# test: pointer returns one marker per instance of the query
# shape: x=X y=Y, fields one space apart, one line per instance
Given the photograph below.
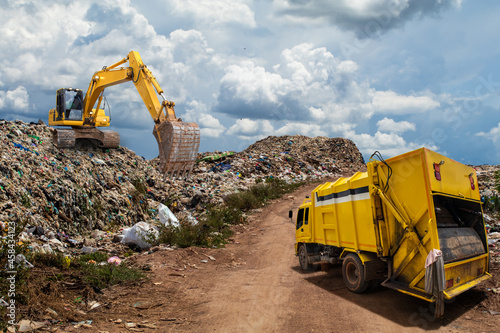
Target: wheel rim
x=352 y=273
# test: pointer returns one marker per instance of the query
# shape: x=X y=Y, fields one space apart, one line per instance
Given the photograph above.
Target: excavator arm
x=178 y=142
x=144 y=81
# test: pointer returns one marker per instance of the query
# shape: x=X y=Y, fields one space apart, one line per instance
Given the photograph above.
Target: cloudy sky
x=391 y=75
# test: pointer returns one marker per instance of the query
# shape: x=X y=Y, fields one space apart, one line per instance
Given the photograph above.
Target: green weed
x=48 y=259
x=25 y=200
x=214 y=227
x=260 y=194
x=140 y=185
x=102 y=276
x=96 y=256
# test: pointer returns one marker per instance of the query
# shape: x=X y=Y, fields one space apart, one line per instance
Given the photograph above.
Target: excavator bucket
x=178 y=144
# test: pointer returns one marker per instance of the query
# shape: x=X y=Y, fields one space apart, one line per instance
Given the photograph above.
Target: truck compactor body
x=385 y=223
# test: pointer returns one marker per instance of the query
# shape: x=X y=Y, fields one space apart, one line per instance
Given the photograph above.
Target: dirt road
x=255 y=285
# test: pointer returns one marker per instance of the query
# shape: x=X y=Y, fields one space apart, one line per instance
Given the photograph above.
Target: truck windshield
x=300 y=218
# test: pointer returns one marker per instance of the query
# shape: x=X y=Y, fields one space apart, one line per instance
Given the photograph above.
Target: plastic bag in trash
x=166 y=216
x=191 y=219
x=138 y=233
x=21 y=259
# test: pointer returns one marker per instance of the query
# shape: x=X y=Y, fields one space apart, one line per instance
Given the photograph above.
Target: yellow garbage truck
x=413 y=222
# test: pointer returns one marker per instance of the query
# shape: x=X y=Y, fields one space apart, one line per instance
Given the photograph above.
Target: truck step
x=407 y=290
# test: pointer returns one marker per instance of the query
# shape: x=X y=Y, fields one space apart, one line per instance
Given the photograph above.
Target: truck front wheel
x=304 y=263
x=353 y=273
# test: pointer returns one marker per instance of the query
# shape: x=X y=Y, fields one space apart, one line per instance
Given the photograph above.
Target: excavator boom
x=178 y=141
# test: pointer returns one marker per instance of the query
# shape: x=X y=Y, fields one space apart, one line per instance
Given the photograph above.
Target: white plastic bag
x=166 y=216
x=137 y=233
x=191 y=219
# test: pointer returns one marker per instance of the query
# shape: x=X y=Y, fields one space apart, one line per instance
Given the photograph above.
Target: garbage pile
x=73 y=191
x=291 y=158
x=486 y=178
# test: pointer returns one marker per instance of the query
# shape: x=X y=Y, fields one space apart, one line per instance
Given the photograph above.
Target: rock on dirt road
x=255 y=285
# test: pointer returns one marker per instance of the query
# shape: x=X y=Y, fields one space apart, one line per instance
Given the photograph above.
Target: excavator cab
x=69 y=110
x=69 y=104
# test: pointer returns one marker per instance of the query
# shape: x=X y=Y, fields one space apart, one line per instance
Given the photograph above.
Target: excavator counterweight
x=178 y=141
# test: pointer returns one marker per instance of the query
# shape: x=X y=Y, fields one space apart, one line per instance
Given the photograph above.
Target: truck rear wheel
x=304 y=263
x=353 y=273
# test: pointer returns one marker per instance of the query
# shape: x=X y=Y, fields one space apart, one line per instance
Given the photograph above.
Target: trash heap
x=486 y=179
x=73 y=191
x=292 y=158
x=486 y=175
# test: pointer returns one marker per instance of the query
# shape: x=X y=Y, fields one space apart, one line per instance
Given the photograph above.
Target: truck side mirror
x=290 y=214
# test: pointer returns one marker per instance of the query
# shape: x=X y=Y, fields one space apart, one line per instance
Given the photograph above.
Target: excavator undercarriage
x=67 y=138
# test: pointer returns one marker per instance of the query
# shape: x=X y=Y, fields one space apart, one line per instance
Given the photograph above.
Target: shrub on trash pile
x=53 y=274
x=92 y=268
x=259 y=194
x=102 y=276
x=49 y=259
x=214 y=227
x=491 y=204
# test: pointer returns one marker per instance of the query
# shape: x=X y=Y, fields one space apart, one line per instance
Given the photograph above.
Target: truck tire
x=304 y=264
x=353 y=273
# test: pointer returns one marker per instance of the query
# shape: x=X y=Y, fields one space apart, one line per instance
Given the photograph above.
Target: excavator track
x=68 y=138
x=178 y=144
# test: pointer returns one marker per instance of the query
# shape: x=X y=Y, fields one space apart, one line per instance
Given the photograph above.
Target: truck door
x=303 y=227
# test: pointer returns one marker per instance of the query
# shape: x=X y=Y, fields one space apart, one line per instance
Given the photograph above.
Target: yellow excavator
x=178 y=141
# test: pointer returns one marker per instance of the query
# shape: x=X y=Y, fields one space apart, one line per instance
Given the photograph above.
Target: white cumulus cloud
x=389 y=125
x=14 y=100
x=391 y=102
x=311 y=130
x=308 y=82
x=216 y=12
x=248 y=129
x=389 y=144
x=197 y=112
x=493 y=134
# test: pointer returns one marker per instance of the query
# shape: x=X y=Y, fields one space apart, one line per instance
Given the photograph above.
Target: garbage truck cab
x=413 y=222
